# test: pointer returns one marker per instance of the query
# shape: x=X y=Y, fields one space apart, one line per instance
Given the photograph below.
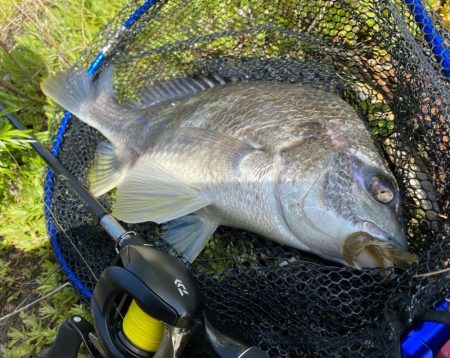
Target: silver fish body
x=291 y=162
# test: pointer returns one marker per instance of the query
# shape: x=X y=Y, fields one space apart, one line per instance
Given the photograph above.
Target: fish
x=292 y=162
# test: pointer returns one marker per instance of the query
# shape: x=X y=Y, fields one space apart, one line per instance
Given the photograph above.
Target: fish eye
x=382 y=189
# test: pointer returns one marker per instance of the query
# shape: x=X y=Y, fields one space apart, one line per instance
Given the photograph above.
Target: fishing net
x=388 y=60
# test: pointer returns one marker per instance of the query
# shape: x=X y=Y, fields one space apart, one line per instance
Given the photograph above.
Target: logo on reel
x=181 y=287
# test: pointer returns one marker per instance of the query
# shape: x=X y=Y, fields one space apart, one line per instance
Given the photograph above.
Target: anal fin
x=106 y=171
x=189 y=234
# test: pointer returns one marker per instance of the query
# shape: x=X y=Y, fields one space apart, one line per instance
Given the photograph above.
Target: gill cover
x=300 y=172
x=328 y=199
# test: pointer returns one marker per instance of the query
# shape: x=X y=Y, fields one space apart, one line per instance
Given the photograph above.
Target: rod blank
x=92 y=204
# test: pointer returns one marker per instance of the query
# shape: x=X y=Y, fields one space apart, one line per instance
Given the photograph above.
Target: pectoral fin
x=189 y=234
x=150 y=193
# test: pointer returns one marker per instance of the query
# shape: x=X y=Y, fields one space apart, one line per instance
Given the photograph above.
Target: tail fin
x=74 y=89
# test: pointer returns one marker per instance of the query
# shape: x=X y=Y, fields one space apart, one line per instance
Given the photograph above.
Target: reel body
x=147 y=305
x=149 y=288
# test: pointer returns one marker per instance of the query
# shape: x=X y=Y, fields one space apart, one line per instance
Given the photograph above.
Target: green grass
x=38 y=38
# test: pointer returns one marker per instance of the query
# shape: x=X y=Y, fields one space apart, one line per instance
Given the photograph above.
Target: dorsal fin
x=157 y=92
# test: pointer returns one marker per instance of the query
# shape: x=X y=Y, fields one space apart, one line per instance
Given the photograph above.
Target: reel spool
x=142 y=330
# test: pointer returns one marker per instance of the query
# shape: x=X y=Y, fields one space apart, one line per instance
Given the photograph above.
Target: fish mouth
x=363 y=250
x=377 y=233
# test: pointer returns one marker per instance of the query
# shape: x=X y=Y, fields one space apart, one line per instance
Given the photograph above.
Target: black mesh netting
x=374 y=53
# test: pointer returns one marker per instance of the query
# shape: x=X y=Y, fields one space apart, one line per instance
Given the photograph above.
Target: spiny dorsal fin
x=158 y=92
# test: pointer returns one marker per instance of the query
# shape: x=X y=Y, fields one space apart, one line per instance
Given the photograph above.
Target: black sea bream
x=291 y=162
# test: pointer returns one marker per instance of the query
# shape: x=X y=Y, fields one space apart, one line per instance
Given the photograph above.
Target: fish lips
x=373 y=247
x=376 y=232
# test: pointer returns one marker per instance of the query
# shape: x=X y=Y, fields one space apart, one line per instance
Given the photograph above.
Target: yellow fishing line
x=144 y=331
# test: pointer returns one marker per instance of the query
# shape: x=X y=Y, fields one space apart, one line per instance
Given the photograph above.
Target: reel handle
x=71 y=333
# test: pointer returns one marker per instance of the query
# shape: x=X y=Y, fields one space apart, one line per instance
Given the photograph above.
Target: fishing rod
x=146 y=304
